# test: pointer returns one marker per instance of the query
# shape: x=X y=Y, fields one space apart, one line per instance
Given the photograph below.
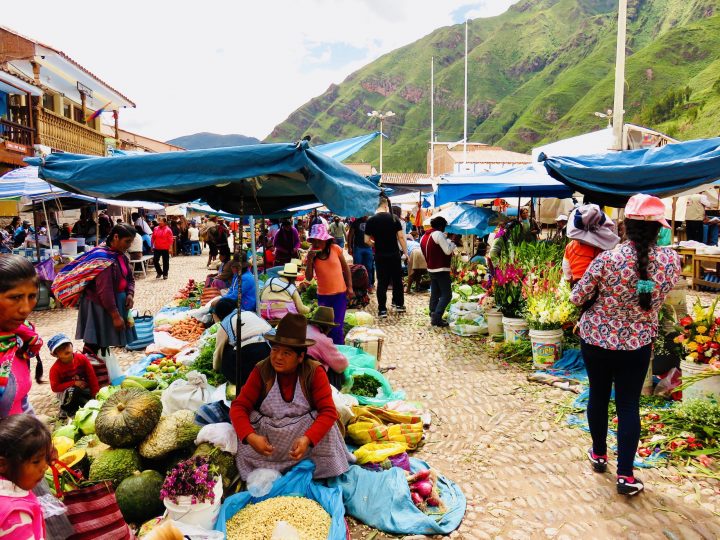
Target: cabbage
x=70 y=431
x=351 y=319
x=105 y=392
x=465 y=290
x=359 y=318
x=85 y=417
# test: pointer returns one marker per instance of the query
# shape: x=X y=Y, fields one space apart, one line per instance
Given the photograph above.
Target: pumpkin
x=127 y=417
x=77 y=460
x=62 y=444
x=138 y=496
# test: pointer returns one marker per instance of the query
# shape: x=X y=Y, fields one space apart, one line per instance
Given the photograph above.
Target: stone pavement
x=521 y=467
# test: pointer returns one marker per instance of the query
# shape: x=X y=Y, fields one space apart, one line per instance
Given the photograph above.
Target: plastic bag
x=187 y=394
x=188 y=355
x=357 y=357
x=297 y=481
x=51 y=506
x=377 y=452
x=221 y=435
x=165 y=341
x=344 y=404
x=260 y=481
x=667 y=385
x=284 y=531
x=385 y=390
x=115 y=372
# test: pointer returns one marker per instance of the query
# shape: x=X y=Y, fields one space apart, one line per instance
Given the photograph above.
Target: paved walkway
x=522 y=469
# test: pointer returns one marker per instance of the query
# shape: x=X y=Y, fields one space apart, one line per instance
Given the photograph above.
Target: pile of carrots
x=187 y=329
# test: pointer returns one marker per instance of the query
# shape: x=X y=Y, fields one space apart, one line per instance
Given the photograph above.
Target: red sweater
x=244 y=404
x=162 y=237
x=63 y=376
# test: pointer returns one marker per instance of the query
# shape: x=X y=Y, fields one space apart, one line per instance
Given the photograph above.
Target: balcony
x=17 y=133
x=60 y=133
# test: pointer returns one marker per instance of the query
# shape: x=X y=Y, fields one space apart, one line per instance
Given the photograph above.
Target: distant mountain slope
x=212 y=140
x=537 y=73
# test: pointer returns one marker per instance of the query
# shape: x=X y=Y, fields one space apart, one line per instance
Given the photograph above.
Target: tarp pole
x=97 y=223
x=35 y=222
x=254 y=259
x=47 y=220
x=674 y=203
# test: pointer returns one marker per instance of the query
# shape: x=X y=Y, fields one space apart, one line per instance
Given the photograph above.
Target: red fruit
x=714 y=345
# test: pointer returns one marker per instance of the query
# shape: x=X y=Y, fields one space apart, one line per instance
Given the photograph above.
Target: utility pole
x=619 y=105
x=432 y=117
x=465 y=135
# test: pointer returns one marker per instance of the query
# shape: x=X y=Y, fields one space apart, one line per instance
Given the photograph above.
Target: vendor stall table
x=698 y=273
x=687 y=256
x=142 y=262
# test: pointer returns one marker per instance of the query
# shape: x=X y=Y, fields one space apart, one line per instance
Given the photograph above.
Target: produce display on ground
x=280 y=517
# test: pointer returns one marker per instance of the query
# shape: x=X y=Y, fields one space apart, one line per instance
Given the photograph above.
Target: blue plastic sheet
x=296 y=482
x=382 y=500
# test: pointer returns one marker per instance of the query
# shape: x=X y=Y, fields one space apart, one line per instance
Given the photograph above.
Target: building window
x=48 y=102
x=78 y=115
x=67 y=110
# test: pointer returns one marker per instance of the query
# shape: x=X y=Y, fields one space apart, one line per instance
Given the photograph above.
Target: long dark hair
x=15 y=269
x=643 y=234
x=22 y=436
x=122 y=230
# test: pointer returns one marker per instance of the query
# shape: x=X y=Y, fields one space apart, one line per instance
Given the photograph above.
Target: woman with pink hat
x=617 y=331
x=326 y=262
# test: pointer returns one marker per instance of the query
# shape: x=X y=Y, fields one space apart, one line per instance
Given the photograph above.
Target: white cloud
x=227 y=66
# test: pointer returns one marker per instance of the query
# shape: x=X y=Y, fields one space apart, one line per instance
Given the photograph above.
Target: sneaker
x=599 y=463
x=164 y=277
x=629 y=485
x=382 y=314
x=440 y=324
x=399 y=309
x=158 y=276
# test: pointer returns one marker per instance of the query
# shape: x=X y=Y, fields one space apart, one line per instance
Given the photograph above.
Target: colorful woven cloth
x=23 y=343
x=72 y=280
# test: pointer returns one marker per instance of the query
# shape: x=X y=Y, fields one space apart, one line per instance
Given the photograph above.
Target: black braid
x=644 y=235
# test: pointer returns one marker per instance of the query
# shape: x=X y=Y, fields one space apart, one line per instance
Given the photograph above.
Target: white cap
x=561 y=217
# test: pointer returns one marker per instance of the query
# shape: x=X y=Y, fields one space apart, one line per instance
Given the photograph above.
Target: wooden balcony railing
x=17 y=133
x=62 y=134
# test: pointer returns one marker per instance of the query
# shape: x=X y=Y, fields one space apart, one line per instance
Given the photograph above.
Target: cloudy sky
x=229 y=66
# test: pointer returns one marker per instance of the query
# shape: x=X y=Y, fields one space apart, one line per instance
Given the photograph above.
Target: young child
x=25 y=453
x=72 y=377
x=591 y=232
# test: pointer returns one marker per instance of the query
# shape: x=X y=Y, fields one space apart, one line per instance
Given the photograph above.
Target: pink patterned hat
x=646 y=208
x=319 y=232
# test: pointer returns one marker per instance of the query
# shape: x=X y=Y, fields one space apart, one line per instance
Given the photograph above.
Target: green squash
x=138 y=496
x=115 y=465
x=127 y=417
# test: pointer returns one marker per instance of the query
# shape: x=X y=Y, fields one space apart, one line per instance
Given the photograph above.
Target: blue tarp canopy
x=341 y=150
x=613 y=177
x=247 y=180
x=526 y=181
x=463 y=218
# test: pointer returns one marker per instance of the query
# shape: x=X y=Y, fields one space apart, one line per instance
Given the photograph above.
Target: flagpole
x=432 y=117
x=465 y=135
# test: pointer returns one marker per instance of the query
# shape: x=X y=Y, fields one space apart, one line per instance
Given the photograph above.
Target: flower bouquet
x=192 y=491
x=547 y=298
x=700 y=335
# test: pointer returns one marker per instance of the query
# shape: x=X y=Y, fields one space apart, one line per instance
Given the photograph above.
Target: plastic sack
x=385 y=395
x=667 y=385
x=377 y=452
x=220 y=435
x=260 y=481
x=357 y=358
x=187 y=394
x=51 y=506
x=284 y=531
x=188 y=355
x=297 y=481
x=468 y=330
x=382 y=500
x=163 y=341
x=115 y=372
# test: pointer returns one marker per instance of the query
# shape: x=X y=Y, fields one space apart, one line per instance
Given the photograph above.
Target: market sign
x=15 y=147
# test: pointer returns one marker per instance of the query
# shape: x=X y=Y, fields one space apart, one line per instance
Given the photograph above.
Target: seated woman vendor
x=280 y=296
x=285 y=411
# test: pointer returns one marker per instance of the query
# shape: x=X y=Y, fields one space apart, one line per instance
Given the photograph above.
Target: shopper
x=286 y=242
x=695 y=216
x=618 y=329
x=211 y=238
x=72 y=376
x=337 y=230
x=438 y=251
x=327 y=264
x=384 y=231
x=162 y=241
x=360 y=251
x=417 y=265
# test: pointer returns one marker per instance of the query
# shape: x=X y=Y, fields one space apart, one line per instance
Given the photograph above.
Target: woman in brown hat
x=285 y=411
x=324 y=350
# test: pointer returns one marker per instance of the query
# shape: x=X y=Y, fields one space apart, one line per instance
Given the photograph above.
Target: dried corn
x=258 y=521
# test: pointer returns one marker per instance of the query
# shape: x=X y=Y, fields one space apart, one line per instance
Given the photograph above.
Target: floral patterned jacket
x=616 y=321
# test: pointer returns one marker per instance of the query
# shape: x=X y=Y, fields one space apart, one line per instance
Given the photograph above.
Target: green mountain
x=537 y=73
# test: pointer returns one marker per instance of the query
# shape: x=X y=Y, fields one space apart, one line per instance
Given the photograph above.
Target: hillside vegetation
x=537 y=73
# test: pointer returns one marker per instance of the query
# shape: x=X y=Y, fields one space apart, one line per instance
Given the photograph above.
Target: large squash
x=127 y=417
x=138 y=496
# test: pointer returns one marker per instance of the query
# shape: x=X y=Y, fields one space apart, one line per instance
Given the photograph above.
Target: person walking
x=211 y=238
x=384 y=232
x=286 y=242
x=162 y=241
x=617 y=331
x=334 y=284
x=438 y=251
x=360 y=251
x=695 y=216
x=337 y=230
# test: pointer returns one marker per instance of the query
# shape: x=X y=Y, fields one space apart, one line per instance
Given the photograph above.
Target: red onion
x=416 y=498
x=423 y=488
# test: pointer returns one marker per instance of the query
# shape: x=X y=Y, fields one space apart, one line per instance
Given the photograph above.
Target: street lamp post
x=381 y=116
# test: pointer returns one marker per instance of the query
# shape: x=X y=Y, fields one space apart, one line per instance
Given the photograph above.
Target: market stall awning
x=463 y=218
x=341 y=150
x=611 y=178
x=525 y=181
x=248 y=180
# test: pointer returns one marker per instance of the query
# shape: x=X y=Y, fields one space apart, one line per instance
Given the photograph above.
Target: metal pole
x=465 y=135
x=35 y=222
x=254 y=259
x=381 y=145
x=619 y=105
x=97 y=223
x=674 y=204
x=432 y=117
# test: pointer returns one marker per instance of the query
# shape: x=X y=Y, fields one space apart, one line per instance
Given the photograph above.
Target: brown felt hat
x=291 y=331
x=325 y=316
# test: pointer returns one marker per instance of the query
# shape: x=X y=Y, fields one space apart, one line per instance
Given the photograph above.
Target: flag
x=97 y=113
x=419 y=217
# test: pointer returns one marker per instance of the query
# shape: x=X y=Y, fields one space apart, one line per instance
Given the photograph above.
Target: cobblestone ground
x=501 y=438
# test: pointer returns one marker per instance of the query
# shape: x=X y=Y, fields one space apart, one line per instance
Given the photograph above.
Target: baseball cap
x=645 y=207
x=56 y=341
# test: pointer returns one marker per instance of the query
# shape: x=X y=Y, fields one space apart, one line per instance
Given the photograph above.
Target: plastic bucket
x=707 y=388
x=546 y=347
x=494 y=321
x=677 y=299
x=515 y=329
x=201 y=514
x=68 y=247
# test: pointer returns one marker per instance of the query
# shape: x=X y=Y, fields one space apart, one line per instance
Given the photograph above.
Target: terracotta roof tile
x=405 y=178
